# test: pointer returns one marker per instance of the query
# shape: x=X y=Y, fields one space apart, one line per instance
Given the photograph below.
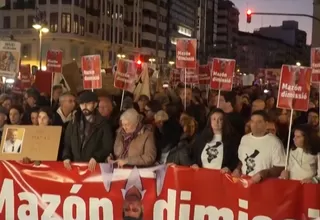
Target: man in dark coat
x=88 y=137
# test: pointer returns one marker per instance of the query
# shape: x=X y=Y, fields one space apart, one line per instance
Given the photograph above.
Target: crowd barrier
x=49 y=191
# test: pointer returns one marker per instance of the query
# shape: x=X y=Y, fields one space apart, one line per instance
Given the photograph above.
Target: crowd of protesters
x=245 y=135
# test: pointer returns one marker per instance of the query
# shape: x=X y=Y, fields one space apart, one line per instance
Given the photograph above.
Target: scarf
x=127 y=138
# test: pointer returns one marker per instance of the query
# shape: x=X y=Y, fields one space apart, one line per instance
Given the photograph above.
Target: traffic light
x=249 y=13
x=139 y=66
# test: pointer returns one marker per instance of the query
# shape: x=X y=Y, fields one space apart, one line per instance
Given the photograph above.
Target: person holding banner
x=214 y=149
x=261 y=154
x=303 y=159
x=134 y=144
x=88 y=137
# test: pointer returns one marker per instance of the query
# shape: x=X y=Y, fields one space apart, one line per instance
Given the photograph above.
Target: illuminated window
x=65 y=23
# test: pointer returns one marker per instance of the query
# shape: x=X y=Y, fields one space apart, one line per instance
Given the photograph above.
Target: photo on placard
x=13 y=140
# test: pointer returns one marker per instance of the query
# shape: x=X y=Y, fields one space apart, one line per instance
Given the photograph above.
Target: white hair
x=161 y=116
x=131 y=115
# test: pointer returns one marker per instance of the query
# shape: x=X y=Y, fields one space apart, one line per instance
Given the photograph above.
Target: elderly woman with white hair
x=134 y=144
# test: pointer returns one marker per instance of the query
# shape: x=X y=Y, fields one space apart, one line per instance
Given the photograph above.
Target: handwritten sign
x=35 y=142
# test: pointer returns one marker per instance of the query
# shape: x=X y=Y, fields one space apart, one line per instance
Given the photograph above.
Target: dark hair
x=261 y=113
x=19 y=108
x=48 y=111
x=311 y=139
x=230 y=97
x=313 y=110
x=55 y=87
x=132 y=218
x=154 y=106
x=34 y=109
x=227 y=129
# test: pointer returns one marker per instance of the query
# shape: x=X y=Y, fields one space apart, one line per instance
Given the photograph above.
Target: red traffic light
x=249 y=13
x=139 y=62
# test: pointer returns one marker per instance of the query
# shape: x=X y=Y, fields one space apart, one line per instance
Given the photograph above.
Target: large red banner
x=294 y=88
x=49 y=191
x=315 y=64
x=222 y=74
x=186 y=53
x=91 y=70
x=54 y=61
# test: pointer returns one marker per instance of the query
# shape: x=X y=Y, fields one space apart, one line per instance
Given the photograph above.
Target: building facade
x=181 y=23
x=316 y=24
x=256 y=51
x=77 y=27
x=227 y=32
x=207 y=28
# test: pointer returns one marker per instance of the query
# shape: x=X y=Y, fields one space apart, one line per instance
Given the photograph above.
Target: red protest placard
x=204 y=74
x=25 y=76
x=125 y=75
x=190 y=76
x=54 y=61
x=91 y=71
x=294 y=88
x=186 y=53
x=174 y=76
x=222 y=74
x=315 y=64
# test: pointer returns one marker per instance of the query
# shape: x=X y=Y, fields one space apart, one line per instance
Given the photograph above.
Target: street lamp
x=171 y=62
x=121 y=56
x=152 y=60
x=40 y=24
x=298 y=64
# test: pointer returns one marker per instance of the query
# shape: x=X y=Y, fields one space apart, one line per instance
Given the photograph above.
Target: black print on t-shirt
x=212 y=151
x=250 y=161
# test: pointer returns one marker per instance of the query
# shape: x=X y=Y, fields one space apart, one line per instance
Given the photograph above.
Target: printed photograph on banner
x=125 y=75
x=315 y=64
x=9 y=58
x=13 y=140
x=186 y=53
x=222 y=74
x=54 y=61
x=294 y=88
x=91 y=71
x=132 y=195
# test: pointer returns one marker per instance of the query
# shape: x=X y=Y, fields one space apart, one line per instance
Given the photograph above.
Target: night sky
x=277 y=6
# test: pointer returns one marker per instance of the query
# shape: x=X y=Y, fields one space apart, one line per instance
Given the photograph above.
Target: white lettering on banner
x=315 y=71
x=316 y=65
x=184 y=53
x=222 y=75
x=53 y=65
x=52 y=61
x=29 y=210
x=293 y=91
x=88 y=72
x=91 y=78
x=50 y=203
x=200 y=211
x=9 y=46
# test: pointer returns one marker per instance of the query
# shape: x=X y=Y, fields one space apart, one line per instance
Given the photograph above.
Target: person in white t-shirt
x=217 y=146
x=302 y=163
x=261 y=154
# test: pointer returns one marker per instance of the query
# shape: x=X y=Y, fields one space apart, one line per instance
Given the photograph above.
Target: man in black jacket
x=88 y=137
